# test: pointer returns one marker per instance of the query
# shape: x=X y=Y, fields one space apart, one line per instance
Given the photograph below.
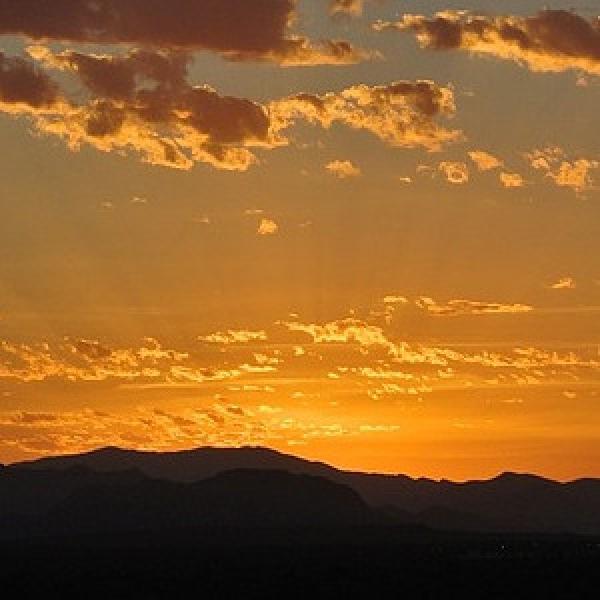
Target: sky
x=365 y=233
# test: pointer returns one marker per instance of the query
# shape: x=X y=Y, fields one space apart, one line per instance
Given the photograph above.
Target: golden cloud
x=454 y=308
x=455 y=172
x=575 y=174
x=370 y=338
x=342 y=169
x=550 y=41
x=511 y=180
x=141 y=102
x=485 y=161
x=89 y=360
x=403 y=113
x=234 y=336
x=267 y=227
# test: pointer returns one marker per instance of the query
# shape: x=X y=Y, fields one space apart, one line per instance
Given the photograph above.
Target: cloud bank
x=235 y=29
x=141 y=102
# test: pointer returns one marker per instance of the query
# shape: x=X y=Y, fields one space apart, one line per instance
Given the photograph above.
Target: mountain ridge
x=116 y=451
x=508 y=502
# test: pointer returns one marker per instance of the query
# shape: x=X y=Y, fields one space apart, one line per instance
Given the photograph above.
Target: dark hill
x=509 y=502
x=186 y=465
x=242 y=499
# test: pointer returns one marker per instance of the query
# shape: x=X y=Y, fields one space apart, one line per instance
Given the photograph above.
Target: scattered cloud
x=549 y=41
x=342 y=169
x=216 y=423
x=575 y=175
x=529 y=363
x=455 y=172
x=234 y=336
x=511 y=180
x=242 y=384
x=267 y=227
x=572 y=173
x=89 y=360
x=485 y=161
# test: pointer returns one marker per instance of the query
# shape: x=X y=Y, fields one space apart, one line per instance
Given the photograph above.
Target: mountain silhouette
x=131 y=502
x=185 y=465
x=508 y=503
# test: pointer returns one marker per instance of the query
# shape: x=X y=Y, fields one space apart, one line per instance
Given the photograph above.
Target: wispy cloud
x=564 y=283
x=454 y=308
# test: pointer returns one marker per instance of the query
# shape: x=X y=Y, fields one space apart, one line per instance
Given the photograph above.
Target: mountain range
x=113 y=489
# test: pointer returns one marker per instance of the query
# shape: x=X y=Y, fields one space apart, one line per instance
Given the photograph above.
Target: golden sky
x=363 y=232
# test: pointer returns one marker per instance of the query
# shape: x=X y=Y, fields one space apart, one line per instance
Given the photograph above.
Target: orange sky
x=341 y=230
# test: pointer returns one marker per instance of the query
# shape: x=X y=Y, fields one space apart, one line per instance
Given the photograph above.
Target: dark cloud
x=222 y=25
x=551 y=40
x=239 y=29
x=142 y=101
x=23 y=83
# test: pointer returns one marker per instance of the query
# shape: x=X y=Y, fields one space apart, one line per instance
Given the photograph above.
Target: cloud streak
x=456 y=308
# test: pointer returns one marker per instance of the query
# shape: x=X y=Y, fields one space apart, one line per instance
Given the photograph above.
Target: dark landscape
x=123 y=523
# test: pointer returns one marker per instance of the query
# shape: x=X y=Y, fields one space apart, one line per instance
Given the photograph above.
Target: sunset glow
x=362 y=232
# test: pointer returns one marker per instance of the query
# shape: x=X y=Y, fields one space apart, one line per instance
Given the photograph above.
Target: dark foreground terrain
x=251 y=523
x=298 y=564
